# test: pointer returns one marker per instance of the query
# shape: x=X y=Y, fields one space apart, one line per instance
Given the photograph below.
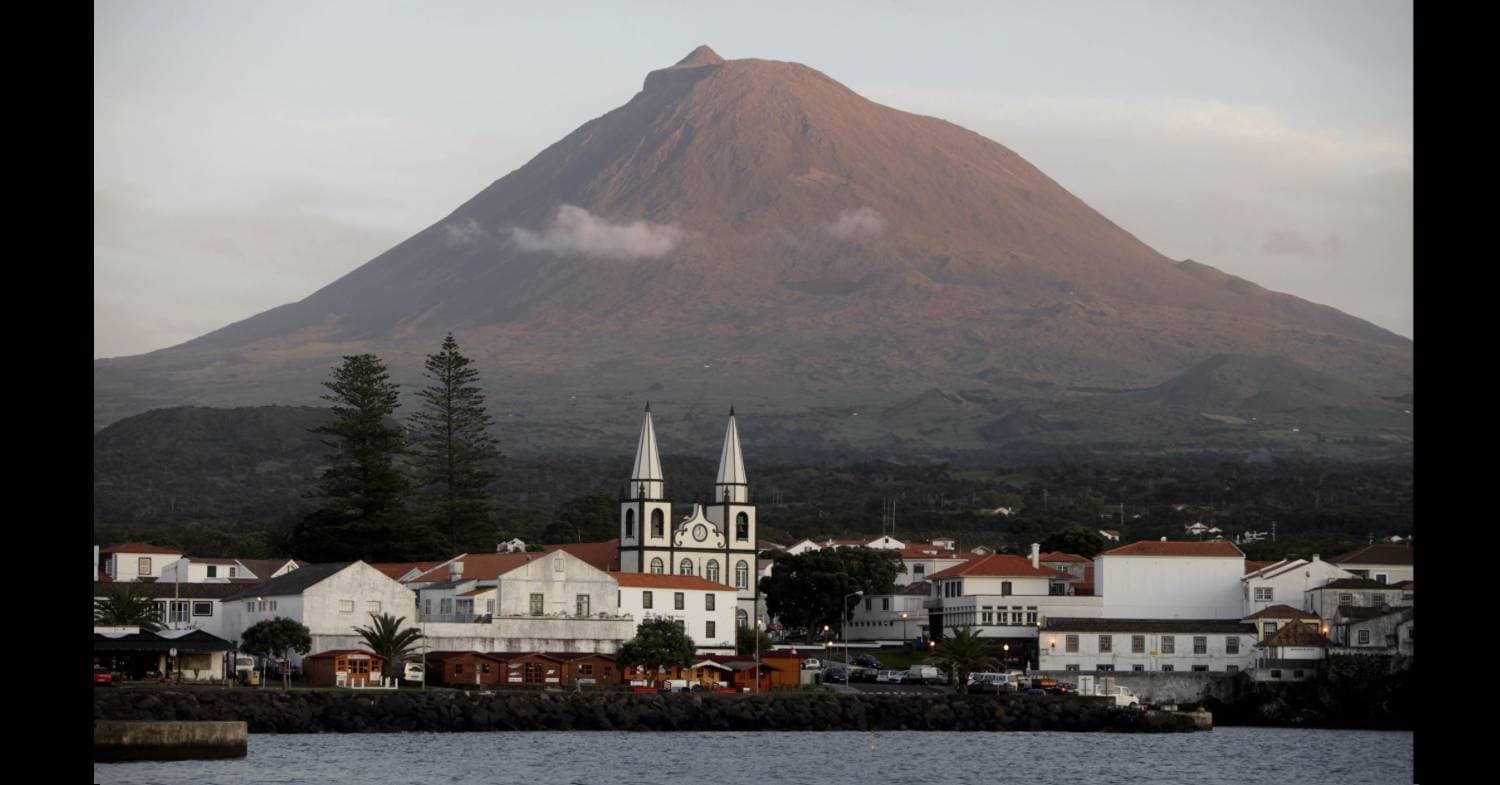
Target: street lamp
x=842 y=631
x=1005 y=663
x=905 y=641
x=757 y=654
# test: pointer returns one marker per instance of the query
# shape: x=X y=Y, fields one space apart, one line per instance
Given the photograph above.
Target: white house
x=1105 y=645
x=512 y=545
x=1171 y=580
x=1005 y=597
x=1269 y=621
x=135 y=561
x=890 y=617
x=1328 y=600
x=330 y=599
x=707 y=611
x=802 y=547
x=187 y=606
x=1382 y=562
x=1287 y=581
x=1295 y=653
x=924 y=561
x=190 y=569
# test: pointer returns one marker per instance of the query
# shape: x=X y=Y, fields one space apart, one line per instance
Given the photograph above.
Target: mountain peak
x=703 y=55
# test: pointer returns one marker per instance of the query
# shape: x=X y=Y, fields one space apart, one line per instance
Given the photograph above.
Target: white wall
x=883 y=620
x=560 y=577
x=1394 y=573
x=124 y=566
x=694 y=613
x=1289 y=587
x=1054 y=654
x=1170 y=587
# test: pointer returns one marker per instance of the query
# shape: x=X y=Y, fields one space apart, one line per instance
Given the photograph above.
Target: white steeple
x=645 y=478
x=731 y=485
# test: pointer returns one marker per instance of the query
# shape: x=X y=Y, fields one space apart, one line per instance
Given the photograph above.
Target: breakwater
x=126 y=740
x=343 y=711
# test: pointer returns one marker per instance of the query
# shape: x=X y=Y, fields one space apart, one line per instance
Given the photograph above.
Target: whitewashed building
x=187 y=606
x=1269 y=621
x=1382 y=562
x=1171 y=580
x=924 y=561
x=193 y=569
x=890 y=617
x=708 y=612
x=1287 y=581
x=1326 y=600
x=1106 y=645
x=1004 y=597
x=135 y=561
x=330 y=599
x=1296 y=652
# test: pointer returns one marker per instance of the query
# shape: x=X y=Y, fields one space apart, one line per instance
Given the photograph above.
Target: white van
x=924 y=674
x=993 y=682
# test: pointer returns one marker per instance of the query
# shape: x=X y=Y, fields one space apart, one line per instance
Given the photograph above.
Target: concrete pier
x=122 y=740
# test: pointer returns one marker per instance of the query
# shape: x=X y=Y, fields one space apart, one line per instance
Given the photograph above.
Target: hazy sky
x=246 y=154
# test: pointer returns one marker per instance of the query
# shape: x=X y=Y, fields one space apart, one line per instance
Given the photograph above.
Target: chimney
x=455 y=570
x=1164 y=539
x=1315 y=557
x=1036 y=555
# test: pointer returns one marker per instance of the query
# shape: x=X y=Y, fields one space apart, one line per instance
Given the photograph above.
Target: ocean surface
x=1224 y=755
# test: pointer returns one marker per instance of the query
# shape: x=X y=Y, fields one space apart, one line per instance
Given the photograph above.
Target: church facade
x=715 y=542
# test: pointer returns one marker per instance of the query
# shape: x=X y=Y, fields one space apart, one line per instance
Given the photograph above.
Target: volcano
x=753 y=232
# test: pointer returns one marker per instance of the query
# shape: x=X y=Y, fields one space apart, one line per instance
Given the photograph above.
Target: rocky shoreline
x=348 y=711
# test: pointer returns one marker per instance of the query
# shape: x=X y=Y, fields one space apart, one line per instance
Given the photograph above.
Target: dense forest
x=233 y=482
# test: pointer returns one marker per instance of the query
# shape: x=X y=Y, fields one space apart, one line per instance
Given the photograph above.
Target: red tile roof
x=1378 y=553
x=477 y=566
x=1252 y=566
x=394 y=570
x=647 y=580
x=139 y=547
x=1177 y=548
x=603 y=556
x=1296 y=635
x=1282 y=612
x=1000 y=565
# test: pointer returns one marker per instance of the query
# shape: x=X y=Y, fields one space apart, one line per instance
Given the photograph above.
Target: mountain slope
x=803 y=245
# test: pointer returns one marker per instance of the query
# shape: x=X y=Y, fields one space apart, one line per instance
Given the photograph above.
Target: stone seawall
x=120 y=740
x=339 y=711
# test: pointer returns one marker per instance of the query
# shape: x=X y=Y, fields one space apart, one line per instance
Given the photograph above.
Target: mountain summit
x=753 y=229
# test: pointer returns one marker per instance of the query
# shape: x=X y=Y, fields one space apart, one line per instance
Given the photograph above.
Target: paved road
x=889 y=689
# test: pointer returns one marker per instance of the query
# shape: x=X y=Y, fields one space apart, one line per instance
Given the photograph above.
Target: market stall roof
x=192 y=640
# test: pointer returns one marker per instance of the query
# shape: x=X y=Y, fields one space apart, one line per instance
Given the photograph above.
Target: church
x=716 y=542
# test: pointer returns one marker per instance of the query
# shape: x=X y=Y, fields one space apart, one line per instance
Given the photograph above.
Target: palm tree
x=961 y=654
x=386 y=638
x=123 y=607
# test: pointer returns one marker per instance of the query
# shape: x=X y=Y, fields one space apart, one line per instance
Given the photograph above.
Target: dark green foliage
x=810 y=589
x=960 y=654
x=1076 y=540
x=453 y=452
x=362 y=514
x=123 y=607
x=744 y=640
x=584 y=519
x=277 y=638
x=385 y=637
x=658 y=643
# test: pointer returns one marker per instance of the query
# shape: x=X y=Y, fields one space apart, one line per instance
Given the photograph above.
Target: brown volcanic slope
x=958 y=262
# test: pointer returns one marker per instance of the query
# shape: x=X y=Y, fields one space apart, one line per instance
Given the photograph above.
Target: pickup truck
x=925 y=674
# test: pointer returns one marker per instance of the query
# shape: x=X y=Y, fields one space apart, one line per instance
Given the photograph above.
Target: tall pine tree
x=454 y=452
x=363 y=493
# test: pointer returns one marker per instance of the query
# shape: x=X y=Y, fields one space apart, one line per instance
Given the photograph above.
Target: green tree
x=385 y=637
x=453 y=451
x=811 y=589
x=744 y=640
x=1078 y=540
x=363 y=493
x=658 y=643
x=583 y=519
x=124 y=607
x=960 y=654
x=278 y=638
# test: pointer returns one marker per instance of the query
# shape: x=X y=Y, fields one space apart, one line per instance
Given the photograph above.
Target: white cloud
x=858 y=224
x=574 y=230
x=464 y=234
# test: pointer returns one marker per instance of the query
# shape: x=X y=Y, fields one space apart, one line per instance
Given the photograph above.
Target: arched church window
x=630 y=523
x=685 y=568
x=656 y=523
x=742 y=575
x=742 y=527
x=711 y=572
x=741 y=618
x=657 y=567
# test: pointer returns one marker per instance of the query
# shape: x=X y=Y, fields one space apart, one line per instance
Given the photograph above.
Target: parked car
x=992 y=682
x=810 y=664
x=1063 y=688
x=925 y=674
x=864 y=675
x=103 y=677
x=866 y=661
x=414 y=673
x=836 y=674
x=890 y=677
x=1036 y=691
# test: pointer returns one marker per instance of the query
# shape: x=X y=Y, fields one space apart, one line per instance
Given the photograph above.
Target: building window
x=1070 y=644
x=711 y=572
x=427 y=606
x=458 y=669
x=1168 y=645
x=464 y=607
x=1137 y=644
x=1232 y=644
x=250 y=607
x=742 y=575
x=869 y=603
x=373 y=606
x=1200 y=668
x=445 y=605
x=742 y=527
x=679 y=601
x=645 y=599
x=1264 y=594
x=273 y=606
x=1106 y=644
x=234 y=571
x=143 y=565
x=1231 y=669
x=582 y=605
x=1005 y=588
x=629 y=524
x=213 y=570
x=1137 y=667
x=586 y=669
x=741 y=618
x=489 y=607
x=1380 y=577
x=657 y=567
x=1364 y=637
x=1275 y=674
x=1346 y=599
x=1105 y=668
x=346 y=606
x=203 y=609
x=1297 y=674
x=1031 y=615
x=885 y=603
x=656 y=523
x=685 y=567
x=708 y=631
x=536 y=605
x=989 y=617
x=708 y=601
x=1168 y=668
x=917 y=570
x=1200 y=644
x=1270 y=629
x=1070 y=668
